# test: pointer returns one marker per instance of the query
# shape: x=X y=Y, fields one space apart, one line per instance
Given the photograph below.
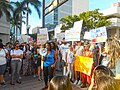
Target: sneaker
x=34 y=76
x=75 y=82
x=18 y=81
x=79 y=83
x=12 y=83
x=20 y=77
x=39 y=79
x=3 y=84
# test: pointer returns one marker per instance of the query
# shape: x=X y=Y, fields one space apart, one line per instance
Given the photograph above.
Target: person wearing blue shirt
x=49 y=64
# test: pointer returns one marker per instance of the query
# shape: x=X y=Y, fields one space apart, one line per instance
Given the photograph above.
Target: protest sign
x=44 y=31
x=60 y=36
x=72 y=35
x=41 y=38
x=98 y=35
x=25 y=38
x=78 y=25
x=87 y=35
x=83 y=64
x=30 y=40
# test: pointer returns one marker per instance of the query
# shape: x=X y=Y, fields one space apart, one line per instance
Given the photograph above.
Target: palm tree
x=16 y=19
x=5 y=8
x=36 y=4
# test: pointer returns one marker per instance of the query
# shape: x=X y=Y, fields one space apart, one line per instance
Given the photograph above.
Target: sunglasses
x=17 y=46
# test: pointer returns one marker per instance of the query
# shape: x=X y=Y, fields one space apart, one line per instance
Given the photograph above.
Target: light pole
x=28 y=27
x=43 y=22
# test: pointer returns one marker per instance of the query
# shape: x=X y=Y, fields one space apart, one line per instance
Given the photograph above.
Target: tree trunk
x=20 y=23
x=16 y=32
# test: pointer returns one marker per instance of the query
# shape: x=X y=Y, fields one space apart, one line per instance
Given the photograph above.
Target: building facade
x=114 y=16
x=71 y=7
x=4 y=29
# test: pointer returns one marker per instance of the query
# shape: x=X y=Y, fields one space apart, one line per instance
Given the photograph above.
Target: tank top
x=49 y=59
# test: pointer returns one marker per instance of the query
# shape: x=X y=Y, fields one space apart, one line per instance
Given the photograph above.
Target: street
x=28 y=83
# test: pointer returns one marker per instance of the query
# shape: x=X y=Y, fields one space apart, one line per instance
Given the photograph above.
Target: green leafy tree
x=16 y=18
x=91 y=20
x=5 y=8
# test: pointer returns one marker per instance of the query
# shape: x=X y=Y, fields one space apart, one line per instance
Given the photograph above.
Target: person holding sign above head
x=78 y=52
x=86 y=78
x=49 y=64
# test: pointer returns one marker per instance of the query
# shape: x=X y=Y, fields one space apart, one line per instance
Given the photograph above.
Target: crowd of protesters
x=22 y=59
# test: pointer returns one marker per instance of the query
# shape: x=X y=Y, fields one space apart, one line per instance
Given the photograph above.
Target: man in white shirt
x=63 y=49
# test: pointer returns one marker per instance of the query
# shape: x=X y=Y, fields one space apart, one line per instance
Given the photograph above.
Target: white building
x=114 y=16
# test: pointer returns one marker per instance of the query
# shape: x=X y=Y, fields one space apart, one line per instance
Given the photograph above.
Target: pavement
x=29 y=83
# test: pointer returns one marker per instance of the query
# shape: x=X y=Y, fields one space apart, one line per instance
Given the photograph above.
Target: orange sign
x=83 y=64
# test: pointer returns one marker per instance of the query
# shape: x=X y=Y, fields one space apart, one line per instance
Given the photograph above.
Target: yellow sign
x=83 y=64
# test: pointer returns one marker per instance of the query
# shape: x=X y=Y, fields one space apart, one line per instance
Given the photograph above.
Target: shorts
x=2 y=69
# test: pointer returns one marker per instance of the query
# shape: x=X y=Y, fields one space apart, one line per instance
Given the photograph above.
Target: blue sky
x=101 y=4
x=34 y=21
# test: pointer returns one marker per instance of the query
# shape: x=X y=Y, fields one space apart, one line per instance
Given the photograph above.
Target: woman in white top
x=69 y=61
x=2 y=63
x=16 y=62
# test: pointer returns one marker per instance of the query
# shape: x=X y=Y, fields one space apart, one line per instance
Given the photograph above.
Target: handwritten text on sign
x=83 y=64
x=72 y=35
x=99 y=34
x=41 y=38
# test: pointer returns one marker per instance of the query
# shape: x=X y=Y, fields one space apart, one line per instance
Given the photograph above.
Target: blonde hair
x=107 y=83
x=60 y=83
x=113 y=50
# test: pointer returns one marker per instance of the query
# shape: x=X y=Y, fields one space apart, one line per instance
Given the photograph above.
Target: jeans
x=48 y=72
x=69 y=70
x=16 y=66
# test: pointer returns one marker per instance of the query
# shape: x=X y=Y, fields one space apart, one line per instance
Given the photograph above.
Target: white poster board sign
x=78 y=25
x=57 y=30
x=60 y=36
x=72 y=35
x=87 y=35
x=98 y=35
x=41 y=38
x=44 y=31
x=25 y=38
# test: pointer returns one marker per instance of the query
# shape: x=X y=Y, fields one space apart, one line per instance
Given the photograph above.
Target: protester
x=79 y=49
x=25 y=64
x=63 y=48
x=2 y=63
x=107 y=83
x=85 y=78
x=35 y=65
x=99 y=71
x=55 y=48
x=69 y=62
x=16 y=63
x=49 y=63
x=60 y=83
x=28 y=57
x=39 y=67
